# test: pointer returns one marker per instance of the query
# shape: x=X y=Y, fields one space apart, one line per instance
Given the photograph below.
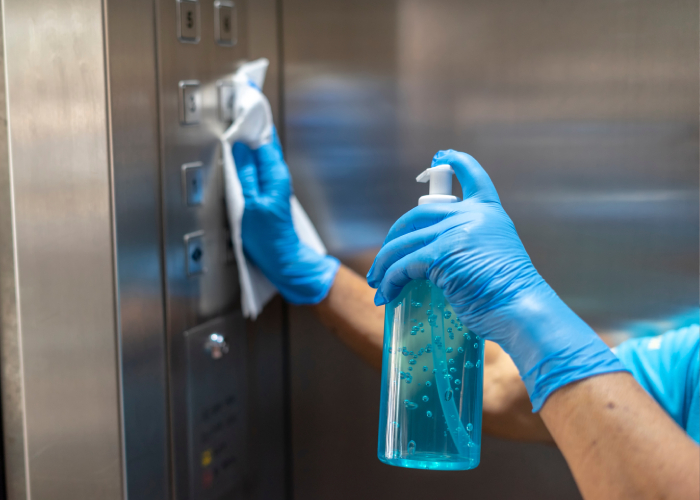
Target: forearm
x=619 y=443
x=349 y=312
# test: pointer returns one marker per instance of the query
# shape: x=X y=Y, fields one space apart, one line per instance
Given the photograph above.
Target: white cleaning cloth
x=253 y=126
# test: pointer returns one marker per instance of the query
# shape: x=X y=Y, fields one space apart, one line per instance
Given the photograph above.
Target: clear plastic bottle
x=432 y=374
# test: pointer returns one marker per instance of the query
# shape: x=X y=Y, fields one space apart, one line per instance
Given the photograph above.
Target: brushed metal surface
x=584 y=115
x=195 y=298
x=133 y=100
x=64 y=260
x=14 y=430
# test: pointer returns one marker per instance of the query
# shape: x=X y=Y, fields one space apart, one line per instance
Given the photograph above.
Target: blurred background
x=584 y=114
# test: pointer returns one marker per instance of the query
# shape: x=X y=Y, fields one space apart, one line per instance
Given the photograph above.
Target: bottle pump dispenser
x=432 y=372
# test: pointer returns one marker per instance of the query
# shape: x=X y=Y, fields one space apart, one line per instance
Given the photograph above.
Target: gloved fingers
x=411 y=267
x=418 y=218
x=474 y=180
x=397 y=249
x=273 y=175
x=246 y=168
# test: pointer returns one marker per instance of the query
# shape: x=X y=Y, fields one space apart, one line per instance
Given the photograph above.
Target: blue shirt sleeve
x=668 y=367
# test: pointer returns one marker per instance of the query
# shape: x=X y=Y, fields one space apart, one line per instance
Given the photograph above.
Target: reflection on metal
x=586 y=122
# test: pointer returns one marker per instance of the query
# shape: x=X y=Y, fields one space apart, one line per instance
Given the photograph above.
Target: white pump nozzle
x=440 y=177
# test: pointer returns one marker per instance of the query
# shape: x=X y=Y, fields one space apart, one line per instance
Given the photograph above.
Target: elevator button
x=190 y=102
x=193 y=183
x=225 y=21
x=194 y=253
x=225 y=94
x=188 y=21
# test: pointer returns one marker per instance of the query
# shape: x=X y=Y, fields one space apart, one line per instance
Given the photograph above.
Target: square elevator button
x=188 y=21
x=194 y=253
x=190 y=102
x=225 y=22
x=193 y=183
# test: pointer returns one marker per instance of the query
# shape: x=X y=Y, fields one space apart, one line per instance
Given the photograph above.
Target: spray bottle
x=432 y=372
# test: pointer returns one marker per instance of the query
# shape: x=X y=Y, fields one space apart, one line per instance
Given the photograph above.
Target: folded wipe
x=253 y=126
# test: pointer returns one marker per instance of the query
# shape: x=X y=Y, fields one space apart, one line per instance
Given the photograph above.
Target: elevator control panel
x=200 y=46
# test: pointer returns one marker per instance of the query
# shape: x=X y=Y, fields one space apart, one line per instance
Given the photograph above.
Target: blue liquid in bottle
x=432 y=381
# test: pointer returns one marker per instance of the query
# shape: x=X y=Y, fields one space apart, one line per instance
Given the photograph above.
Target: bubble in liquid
x=459 y=328
x=390 y=350
x=471 y=444
x=410 y=353
x=470 y=427
x=425 y=368
x=415 y=327
x=429 y=312
x=447 y=314
x=414 y=332
x=449 y=330
x=457 y=381
x=466 y=335
x=418 y=304
x=448 y=377
x=420 y=324
x=395 y=424
x=411 y=447
x=428 y=383
x=411 y=361
x=410 y=368
x=420 y=351
x=448 y=394
x=460 y=350
x=476 y=346
x=469 y=364
x=452 y=370
x=429 y=414
x=449 y=349
x=402 y=375
x=425 y=399
x=478 y=363
x=410 y=405
x=434 y=370
x=414 y=320
x=409 y=378
x=422 y=330
x=452 y=361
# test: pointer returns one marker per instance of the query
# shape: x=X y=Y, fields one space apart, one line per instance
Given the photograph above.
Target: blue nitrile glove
x=269 y=240
x=472 y=252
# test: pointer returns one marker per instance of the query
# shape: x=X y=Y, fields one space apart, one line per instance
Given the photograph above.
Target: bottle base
x=432 y=461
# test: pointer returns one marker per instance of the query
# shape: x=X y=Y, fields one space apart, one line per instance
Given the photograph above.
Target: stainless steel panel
x=200 y=288
x=133 y=104
x=585 y=116
x=217 y=412
x=14 y=429
x=61 y=183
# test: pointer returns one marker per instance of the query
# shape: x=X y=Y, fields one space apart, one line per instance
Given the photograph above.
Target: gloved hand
x=269 y=240
x=472 y=252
